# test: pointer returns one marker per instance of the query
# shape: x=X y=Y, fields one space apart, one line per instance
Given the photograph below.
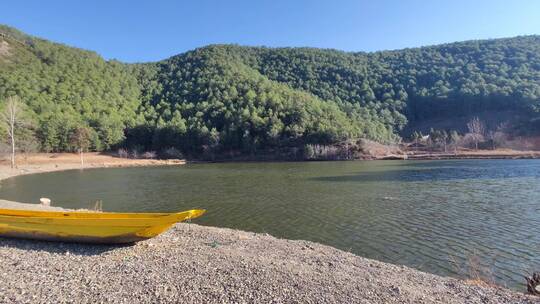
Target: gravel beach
x=197 y=264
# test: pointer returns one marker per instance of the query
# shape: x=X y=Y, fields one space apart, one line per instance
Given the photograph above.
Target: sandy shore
x=197 y=264
x=49 y=162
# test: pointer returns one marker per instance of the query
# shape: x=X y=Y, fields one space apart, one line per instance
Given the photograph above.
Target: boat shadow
x=82 y=249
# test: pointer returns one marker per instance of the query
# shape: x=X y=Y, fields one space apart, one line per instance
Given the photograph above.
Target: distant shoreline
x=470 y=154
x=52 y=162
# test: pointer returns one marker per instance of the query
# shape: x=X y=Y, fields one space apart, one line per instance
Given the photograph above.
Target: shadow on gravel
x=59 y=247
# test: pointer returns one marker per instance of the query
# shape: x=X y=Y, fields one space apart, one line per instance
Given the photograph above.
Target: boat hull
x=86 y=227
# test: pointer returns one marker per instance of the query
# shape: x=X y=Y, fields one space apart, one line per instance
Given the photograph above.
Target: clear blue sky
x=144 y=30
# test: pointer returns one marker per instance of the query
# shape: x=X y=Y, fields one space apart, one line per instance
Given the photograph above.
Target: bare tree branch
x=11 y=117
x=477 y=130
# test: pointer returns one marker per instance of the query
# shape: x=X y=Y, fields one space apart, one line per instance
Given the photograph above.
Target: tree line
x=478 y=136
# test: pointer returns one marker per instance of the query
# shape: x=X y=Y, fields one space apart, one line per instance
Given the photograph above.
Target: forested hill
x=224 y=98
x=64 y=88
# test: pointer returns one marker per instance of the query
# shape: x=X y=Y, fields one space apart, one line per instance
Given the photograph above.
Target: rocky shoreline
x=198 y=264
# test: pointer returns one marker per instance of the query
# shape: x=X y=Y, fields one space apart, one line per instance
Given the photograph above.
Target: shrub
x=326 y=152
x=309 y=152
x=149 y=155
x=123 y=153
x=171 y=153
x=4 y=151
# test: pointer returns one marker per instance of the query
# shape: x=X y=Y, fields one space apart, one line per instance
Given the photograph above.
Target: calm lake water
x=424 y=214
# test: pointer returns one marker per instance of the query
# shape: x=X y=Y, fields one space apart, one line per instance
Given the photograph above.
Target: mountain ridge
x=14 y=32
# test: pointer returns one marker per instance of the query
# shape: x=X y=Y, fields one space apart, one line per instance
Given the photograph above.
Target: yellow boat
x=88 y=227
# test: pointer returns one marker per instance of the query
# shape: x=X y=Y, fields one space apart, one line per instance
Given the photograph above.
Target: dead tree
x=12 y=117
x=477 y=130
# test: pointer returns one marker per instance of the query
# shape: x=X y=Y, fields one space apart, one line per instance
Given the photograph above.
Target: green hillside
x=66 y=87
x=224 y=98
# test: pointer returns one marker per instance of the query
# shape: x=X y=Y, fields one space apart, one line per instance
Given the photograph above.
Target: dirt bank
x=48 y=162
